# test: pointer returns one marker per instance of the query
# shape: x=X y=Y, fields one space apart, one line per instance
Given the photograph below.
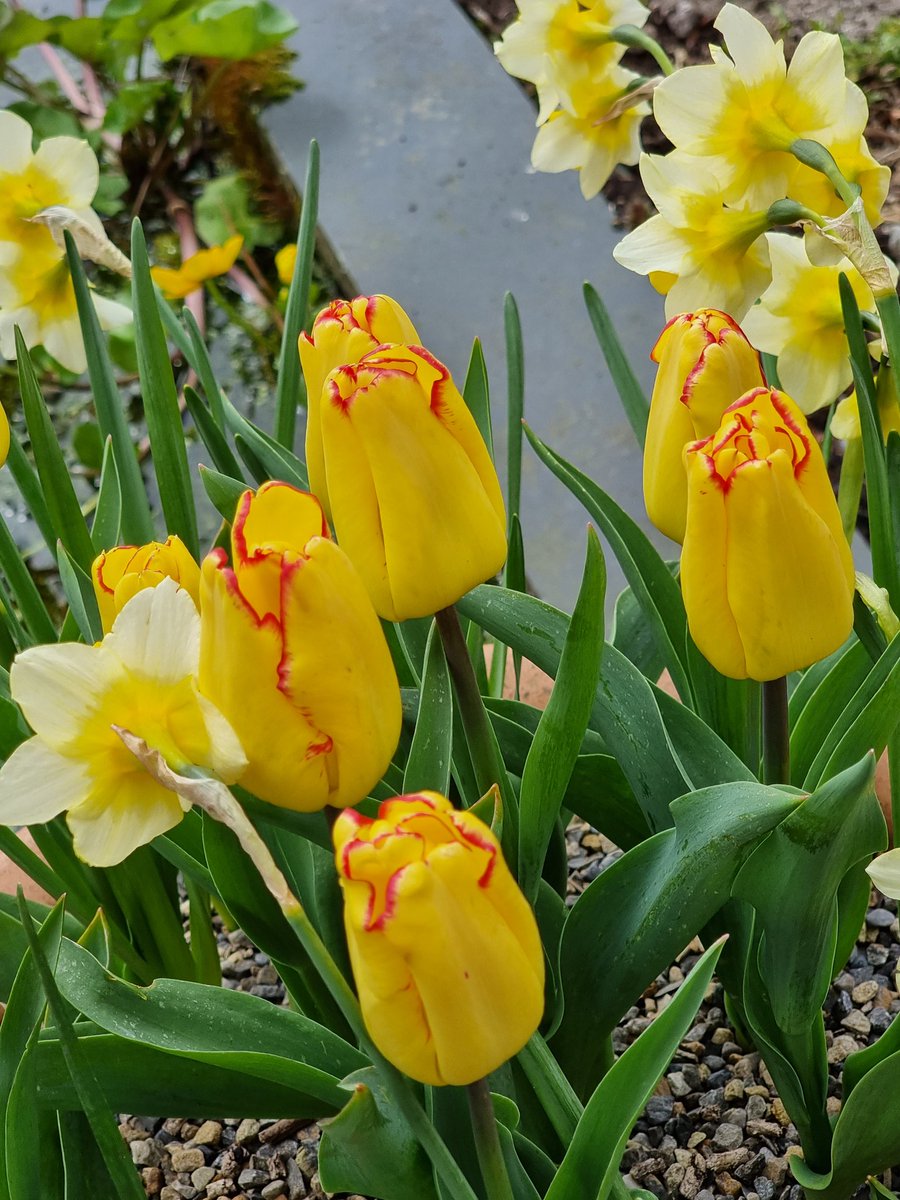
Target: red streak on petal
x=238 y=541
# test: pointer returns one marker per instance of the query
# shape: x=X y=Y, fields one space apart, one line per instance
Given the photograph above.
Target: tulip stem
x=776 y=733
x=490 y=769
x=487 y=1141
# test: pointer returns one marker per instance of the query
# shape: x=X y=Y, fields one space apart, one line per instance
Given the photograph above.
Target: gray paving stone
x=427 y=194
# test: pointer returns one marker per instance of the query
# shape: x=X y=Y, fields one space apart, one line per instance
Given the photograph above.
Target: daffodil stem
x=776 y=736
x=487 y=1141
x=889 y=311
x=630 y=35
x=813 y=154
x=850 y=486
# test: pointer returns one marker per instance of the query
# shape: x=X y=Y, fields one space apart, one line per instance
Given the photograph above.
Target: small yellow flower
x=799 y=319
x=742 y=113
x=141 y=678
x=845 y=423
x=601 y=130
x=698 y=252
x=560 y=44
x=194 y=271
x=284 y=263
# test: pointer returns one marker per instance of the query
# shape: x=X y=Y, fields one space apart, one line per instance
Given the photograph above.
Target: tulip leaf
x=477 y=395
x=106 y=530
x=133 y=1074
x=80 y=594
x=137 y=522
x=652 y=582
x=62 y=503
x=223 y=491
x=212 y=436
x=632 y=636
x=213 y=1025
x=515 y=402
x=591 y=1162
x=276 y=461
x=290 y=389
x=369 y=1148
x=26 y=1127
x=164 y=423
x=866 y=722
x=428 y=764
x=818 y=700
x=559 y=734
x=637 y=410
x=792 y=880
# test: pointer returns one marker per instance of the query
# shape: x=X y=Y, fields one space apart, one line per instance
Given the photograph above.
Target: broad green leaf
x=85 y=1174
x=648 y=905
x=637 y=409
x=591 y=1162
x=632 y=636
x=107 y=524
x=133 y=101
x=650 y=579
x=161 y=402
x=559 y=735
x=137 y=523
x=234 y=1030
x=24 y=1127
x=231 y=29
x=428 y=763
x=62 y=503
x=289 y=390
x=369 y=1148
x=225 y=207
x=20 y=29
x=821 y=702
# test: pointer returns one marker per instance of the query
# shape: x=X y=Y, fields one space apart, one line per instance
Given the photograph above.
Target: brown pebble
x=280 y=1130
x=728 y=1185
x=780 y=1113
x=857 y=1022
x=696 y=1139
x=833 y=1105
x=209 y=1134
x=776 y=1169
x=246 y=1131
x=734 y=1090
x=153 y=1180
x=756 y=1089
x=186 y=1158
x=865 y=991
x=842 y=1047
x=763 y=1128
x=727 y=1159
x=721 y=1036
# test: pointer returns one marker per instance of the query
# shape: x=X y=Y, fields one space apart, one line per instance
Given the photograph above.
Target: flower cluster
x=36 y=292
x=591 y=108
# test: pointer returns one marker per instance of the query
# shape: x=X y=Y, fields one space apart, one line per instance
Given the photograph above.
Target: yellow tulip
x=766 y=571
x=341 y=334
x=444 y=947
x=122 y=572
x=705 y=364
x=142 y=678
x=175 y=284
x=415 y=498
x=292 y=652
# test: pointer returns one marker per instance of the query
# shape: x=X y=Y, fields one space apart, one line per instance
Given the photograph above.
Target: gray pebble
x=728 y=1136
x=879 y=918
x=273 y=1189
x=879 y=1019
x=246 y=1131
x=877 y=955
x=857 y=1022
x=764 y=1188
x=202 y=1176
x=146 y=1153
x=659 y=1109
x=251 y=1178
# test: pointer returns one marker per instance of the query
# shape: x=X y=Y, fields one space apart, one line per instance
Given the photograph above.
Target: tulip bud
x=122 y=572
x=444 y=947
x=415 y=498
x=292 y=652
x=342 y=333
x=705 y=364
x=766 y=571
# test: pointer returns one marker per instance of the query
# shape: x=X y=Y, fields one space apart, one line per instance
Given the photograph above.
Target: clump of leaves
x=876 y=57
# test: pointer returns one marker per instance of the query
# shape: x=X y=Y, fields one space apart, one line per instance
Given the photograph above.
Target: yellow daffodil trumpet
x=445 y=949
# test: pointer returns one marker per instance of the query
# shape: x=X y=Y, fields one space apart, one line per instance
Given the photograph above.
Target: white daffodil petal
x=112 y=315
x=754 y=54
x=107 y=827
x=55 y=686
x=73 y=166
x=15 y=138
x=36 y=784
x=884 y=871
x=157 y=634
x=62 y=339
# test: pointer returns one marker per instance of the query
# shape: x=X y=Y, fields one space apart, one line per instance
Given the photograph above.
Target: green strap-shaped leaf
x=137 y=523
x=637 y=409
x=30 y=488
x=80 y=595
x=223 y=491
x=823 y=700
x=592 y=1160
x=106 y=531
x=276 y=461
x=428 y=764
x=477 y=395
x=161 y=402
x=202 y=364
x=515 y=402
x=212 y=436
x=28 y=598
x=559 y=735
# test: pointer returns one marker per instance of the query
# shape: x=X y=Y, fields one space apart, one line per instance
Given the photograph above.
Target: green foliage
x=225 y=207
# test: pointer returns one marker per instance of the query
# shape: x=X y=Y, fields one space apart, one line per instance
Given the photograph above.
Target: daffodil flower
x=800 y=320
x=284 y=263
x=556 y=44
x=194 y=271
x=742 y=113
x=602 y=129
x=140 y=678
x=709 y=254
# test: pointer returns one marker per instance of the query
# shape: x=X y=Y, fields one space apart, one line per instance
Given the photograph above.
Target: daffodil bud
x=342 y=333
x=766 y=571
x=445 y=949
x=291 y=650
x=705 y=364
x=415 y=498
x=122 y=572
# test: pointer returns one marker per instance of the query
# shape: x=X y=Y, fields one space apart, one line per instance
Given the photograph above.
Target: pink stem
x=68 y=85
x=249 y=288
x=187 y=236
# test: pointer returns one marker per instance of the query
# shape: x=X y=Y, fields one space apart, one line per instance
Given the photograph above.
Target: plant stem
x=487 y=1141
x=850 y=485
x=776 y=735
x=630 y=35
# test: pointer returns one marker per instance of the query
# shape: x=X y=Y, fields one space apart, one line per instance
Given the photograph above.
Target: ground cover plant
x=295 y=720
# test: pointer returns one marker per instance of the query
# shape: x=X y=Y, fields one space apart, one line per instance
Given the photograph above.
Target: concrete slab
x=427 y=195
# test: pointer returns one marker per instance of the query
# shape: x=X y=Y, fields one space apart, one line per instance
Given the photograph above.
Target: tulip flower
x=742 y=113
x=122 y=572
x=175 y=284
x=556 y=44
x=766 y=571
x=415 y=498
x=293 y=654
x=711 y=254
x=705 y=364
x=341 y=334
x=600 y=129
x=445 y=949
x=141 y=678
x=800 y=319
